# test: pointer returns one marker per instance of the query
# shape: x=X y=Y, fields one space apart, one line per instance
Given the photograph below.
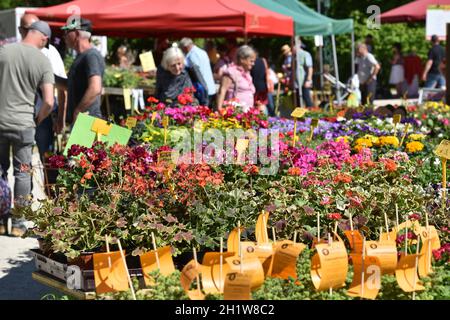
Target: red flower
x=342 y=177
x=152 y=100
x=415 y=216
x=334 y=216
x=389 y=165
x=251 y=169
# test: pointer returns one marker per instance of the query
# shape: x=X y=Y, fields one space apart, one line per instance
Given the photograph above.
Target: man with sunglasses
x=23 y=70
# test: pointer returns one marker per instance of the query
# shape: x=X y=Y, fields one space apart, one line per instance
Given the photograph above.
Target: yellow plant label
x=110 y=274
x=397 y=118
x=299 y=112
x=443 y=149
x=131 y=122
x=147 y=61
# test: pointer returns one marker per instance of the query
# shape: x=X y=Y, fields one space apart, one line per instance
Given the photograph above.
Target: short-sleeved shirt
x=365 y=66
x=200 y=58
x=87 y=64
x=305 y=62
x=437 y=54
x=258 y=73
x=23 y=69
x=242 y=88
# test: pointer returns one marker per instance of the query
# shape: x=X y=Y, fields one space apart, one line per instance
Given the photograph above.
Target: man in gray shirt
x=368 y=68
x=84 y=83
x=23 y=70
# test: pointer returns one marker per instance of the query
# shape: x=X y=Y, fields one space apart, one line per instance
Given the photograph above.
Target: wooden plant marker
x=406 y=273
x=233 y=240
x=154 y=114
x=122 y=254
x=263 y=252
x=366 y=276
x=109 y=278
x=329 y=266
x=101 y=127
x=237 y=286
x=241 y=146
x=297 y=114
x=250 y=266
x=190 y=273
x=355 y=239
x=131 y=122
x=386 y=253
x=396 y=119
x=157 y=259
x=213 y=271
x=285 y=259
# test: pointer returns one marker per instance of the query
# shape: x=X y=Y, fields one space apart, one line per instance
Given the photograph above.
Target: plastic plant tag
x=285 y=259
x=299 y=112
x=261 y=234
x=237 y=286
x=250 y=266
x=329 y=266
x=397 y=118
x=443 y=149
x=212 y=280
x=101 y=127
x=355 y=239
x=147 y=61
x=165 y=122
x=366 y=277
x=189 y=273
x=314 y=123
x=84 y=135
x=131 y=122
x=386 y=253
x=149 y=263
x=127 y=98
x=406 y=274
x=110 y=274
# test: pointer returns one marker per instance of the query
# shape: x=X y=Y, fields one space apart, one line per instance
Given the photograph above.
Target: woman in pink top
x=237 y=81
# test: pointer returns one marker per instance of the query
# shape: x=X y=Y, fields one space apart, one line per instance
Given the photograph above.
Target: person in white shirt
x=45 y=131
x=368 y=68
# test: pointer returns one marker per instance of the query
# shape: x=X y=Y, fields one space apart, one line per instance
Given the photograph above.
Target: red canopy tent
x=141 y=18
x=411 y=12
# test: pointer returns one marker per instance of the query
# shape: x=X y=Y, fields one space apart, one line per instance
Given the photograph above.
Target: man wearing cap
x=23 y=70
x=45 y=131
x=84 y=83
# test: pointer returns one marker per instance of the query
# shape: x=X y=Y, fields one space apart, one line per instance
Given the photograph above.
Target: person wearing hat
x=45 y=131
x=84 y=83
x=23 y=70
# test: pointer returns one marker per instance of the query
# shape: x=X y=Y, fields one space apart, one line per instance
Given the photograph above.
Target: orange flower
x=294 y=171
x=342 y=177
x=83 y=162
x=389 y=165
x=88 y=175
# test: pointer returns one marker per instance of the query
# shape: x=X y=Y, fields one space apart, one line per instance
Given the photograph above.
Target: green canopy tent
x=308 y=22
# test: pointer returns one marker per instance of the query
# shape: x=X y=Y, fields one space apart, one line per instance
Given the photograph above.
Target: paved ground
x=16 y=261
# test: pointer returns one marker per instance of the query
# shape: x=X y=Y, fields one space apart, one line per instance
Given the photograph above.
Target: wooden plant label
x=154 y=114
x=299 y=112
x=149 y=263
x=392 y=235
x=329 y=266
x=366 y=277
x=430 y=241
x=263 y=252
x=189 y=273
x=110 y=274
x=131 y=122
x=406 y=274
x=165 y=156
x=386 y=253
x=165 y=122
x=250 y=266
x=237 y=286
x=212 y=281
x=443 y=149
x=285 y=259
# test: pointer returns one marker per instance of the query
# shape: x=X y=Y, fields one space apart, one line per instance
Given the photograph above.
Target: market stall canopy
x=307 y=21
x=411 y=12
x=141 y=18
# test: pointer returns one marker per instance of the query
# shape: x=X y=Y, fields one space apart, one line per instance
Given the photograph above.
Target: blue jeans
x=434 y=79
x=44 y=136
x=21 y=142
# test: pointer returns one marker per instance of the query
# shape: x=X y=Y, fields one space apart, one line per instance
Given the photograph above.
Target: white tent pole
x=353 y=52
x=297 y=70
x=320 y=52
x=336 y=70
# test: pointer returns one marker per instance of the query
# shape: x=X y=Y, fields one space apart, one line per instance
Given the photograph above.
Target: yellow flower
x=414 y=146
x=346 y=139
x=389 y=140
x=417 y=136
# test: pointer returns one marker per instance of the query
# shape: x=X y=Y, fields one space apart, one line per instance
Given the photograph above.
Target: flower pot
x=85 y=261
x=45 y=246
